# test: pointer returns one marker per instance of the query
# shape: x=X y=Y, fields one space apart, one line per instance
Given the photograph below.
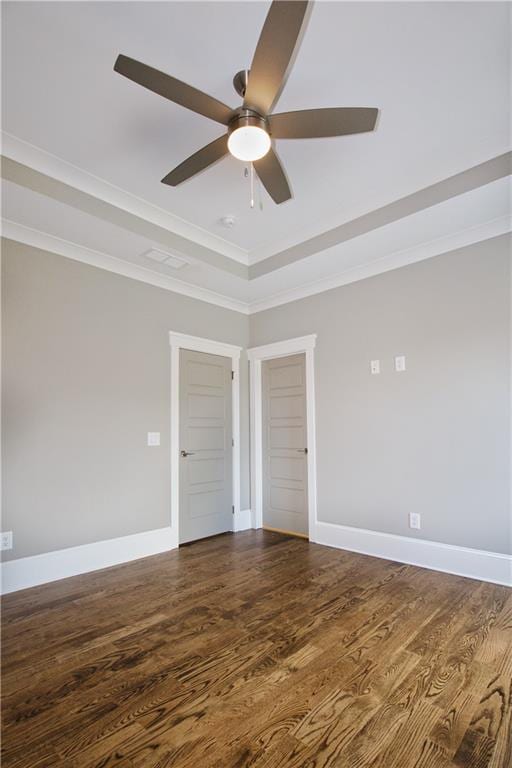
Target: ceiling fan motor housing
x=247 y=117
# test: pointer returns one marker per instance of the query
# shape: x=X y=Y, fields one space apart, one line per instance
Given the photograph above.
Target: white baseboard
x=449 y=558
x=50 y=566
x=243 y=520
x=462 y=561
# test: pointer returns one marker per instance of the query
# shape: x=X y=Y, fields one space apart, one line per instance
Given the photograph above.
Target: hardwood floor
x=259 y=650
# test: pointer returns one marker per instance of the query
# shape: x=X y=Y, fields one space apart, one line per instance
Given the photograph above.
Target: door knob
x=302 y=450
x=186 y=453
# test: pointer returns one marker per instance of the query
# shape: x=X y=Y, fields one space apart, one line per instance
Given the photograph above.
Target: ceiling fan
x=252 y=127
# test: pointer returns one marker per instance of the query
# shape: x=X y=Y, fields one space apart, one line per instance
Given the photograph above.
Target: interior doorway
x=277 y=486
x=205 y=425
x=206 y=466
x=284 y=445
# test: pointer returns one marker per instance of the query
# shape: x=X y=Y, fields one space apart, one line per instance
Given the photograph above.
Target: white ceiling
x=439 y=72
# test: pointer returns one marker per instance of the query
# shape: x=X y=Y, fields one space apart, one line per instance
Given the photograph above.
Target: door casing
x=256 y=355
x=179 y=341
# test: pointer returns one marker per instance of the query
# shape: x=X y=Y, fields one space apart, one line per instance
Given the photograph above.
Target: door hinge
x=232 y=442
x=233 y=509
x=232 y=375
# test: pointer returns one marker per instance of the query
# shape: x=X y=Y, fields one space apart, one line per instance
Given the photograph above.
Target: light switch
x=375 y=366
x=400 y=363
x=6 y=540
x=153 y=438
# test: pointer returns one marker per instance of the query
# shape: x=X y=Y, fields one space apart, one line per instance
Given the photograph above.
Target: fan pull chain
x=255 y=189
x=246 y=176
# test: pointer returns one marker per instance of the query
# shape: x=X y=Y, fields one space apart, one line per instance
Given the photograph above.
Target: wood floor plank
x=431 y=755
x=258 y=650
x=449 y=729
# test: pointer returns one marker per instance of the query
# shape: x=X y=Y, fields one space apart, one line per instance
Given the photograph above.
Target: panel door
x=206 y=487
x=285 y=489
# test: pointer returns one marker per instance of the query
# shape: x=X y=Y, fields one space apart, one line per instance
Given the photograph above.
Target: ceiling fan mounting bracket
x=240 y=81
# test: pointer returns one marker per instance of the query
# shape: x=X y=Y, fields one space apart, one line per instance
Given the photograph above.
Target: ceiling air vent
x=170 y=260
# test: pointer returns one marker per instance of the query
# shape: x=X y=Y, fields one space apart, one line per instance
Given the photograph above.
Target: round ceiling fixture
x=248 y=137
x=227 y=221
x=249 y=143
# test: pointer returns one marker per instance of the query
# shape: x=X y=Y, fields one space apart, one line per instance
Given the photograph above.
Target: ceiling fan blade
x=172 y=89
x=274 y=52
x=273 y=177
x=318 y=123
x=197 y=162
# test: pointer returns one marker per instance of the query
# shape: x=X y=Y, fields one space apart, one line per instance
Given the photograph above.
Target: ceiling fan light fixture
x=249 y=143
x=249 y=138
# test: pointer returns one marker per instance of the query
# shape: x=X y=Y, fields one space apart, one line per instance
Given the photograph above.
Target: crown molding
x=373 y=218
x=50 y=165
x=43 y=162
x=37 y=239
x=494 y=228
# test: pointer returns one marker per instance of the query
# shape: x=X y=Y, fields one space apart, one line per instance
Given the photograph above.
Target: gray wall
x=85 y=364
x=434 y=439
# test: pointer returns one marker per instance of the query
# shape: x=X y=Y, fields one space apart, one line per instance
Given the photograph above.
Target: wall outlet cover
x=400 y=363
x=415 y=520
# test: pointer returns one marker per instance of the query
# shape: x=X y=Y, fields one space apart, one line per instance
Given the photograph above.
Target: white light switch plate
x=6 y=540
x=374 y=366
x=153 y=438
x=400 y=363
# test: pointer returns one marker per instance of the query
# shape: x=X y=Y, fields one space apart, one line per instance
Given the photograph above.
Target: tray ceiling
x=439 y=72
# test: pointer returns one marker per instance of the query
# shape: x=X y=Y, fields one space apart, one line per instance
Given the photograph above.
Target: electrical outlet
x=374 y=366
x=6 y=540
x=153 y=438
x=415 y=520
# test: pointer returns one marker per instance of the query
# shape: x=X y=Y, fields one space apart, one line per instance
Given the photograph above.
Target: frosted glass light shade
x=249 y=143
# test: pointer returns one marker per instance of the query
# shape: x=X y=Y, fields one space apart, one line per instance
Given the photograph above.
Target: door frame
x=177 y=342
x=257 y=355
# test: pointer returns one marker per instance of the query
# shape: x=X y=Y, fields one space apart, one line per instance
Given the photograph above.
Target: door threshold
x=203 y=538
x=286 y=533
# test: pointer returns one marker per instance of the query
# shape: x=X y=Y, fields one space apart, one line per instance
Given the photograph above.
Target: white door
x=285 y=487
x=206 y=487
